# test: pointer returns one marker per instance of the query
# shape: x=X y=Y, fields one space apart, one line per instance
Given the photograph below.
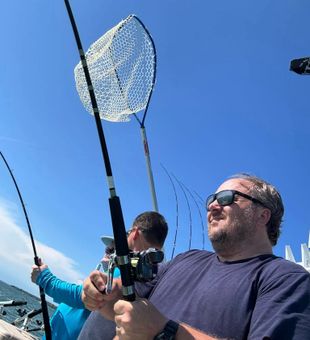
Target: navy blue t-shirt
x=261 y=297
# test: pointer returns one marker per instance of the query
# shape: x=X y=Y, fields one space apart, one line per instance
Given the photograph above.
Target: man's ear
x=265 y=215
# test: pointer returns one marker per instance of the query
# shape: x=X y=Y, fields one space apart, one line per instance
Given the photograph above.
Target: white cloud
x=17 y=256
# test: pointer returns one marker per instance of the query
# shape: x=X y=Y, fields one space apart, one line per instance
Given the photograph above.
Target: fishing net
x=122 y=66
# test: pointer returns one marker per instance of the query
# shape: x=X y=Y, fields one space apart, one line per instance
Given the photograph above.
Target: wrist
x=168 y=332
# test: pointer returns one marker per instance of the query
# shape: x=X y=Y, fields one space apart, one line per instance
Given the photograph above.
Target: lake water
x=9 y=292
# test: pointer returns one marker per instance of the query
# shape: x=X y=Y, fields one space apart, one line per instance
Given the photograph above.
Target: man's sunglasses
x=109 y=250
x=227 y=197
x=128 y=232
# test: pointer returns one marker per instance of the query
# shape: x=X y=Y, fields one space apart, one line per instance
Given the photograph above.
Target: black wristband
x=169 y=331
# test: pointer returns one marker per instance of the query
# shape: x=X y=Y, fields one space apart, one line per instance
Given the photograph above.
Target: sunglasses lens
x=225 y=197
x=210 y=199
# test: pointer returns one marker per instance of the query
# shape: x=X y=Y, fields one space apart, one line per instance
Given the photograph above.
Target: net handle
x=149 y=168
x=142 y=122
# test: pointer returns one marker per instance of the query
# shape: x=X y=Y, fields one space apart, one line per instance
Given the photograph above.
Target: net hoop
x=122 y=66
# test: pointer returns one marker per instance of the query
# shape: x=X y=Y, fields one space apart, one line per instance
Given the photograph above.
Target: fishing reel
x=143 y=266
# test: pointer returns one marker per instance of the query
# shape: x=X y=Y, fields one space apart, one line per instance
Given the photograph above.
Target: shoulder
x=270 y=267
x=182 y=262
x=276 y=272
x=275 y=266
x=192 y=259
x=193 y=255
x=282 y=308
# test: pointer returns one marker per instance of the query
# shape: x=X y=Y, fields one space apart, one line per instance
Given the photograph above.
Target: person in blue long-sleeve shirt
x=70 y=315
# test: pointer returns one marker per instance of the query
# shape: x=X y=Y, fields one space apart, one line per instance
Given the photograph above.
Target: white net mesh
x=122 y=67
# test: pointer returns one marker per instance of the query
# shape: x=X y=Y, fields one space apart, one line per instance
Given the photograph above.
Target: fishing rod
x=119 y=231
x=200 y=214
x=177 y=212
x=202 y=202
x=189 y=213
x=47 y=327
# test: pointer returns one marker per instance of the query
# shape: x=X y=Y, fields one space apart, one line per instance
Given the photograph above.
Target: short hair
x=154 y=227
x=271 y=199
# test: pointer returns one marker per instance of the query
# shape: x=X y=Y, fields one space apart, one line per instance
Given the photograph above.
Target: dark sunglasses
x=109 y=250
x=227 y=197
x=128 y=232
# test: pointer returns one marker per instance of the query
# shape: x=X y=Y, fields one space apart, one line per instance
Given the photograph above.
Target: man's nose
x=214 y=205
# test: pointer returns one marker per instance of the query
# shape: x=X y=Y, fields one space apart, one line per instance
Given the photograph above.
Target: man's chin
x=217 y=234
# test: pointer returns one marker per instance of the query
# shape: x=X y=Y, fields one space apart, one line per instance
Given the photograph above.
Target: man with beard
x=242 y=291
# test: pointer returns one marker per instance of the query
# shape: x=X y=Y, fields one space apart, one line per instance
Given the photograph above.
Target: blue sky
x=224 y=102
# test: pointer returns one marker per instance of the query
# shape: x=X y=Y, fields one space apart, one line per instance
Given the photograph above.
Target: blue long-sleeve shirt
x=61 y=291
x=69 y=317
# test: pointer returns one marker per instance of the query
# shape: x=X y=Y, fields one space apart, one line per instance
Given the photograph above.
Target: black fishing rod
x=189 y=213
x=119 y=231
x=199 y=212
x=47 y=327
x=177 y=212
